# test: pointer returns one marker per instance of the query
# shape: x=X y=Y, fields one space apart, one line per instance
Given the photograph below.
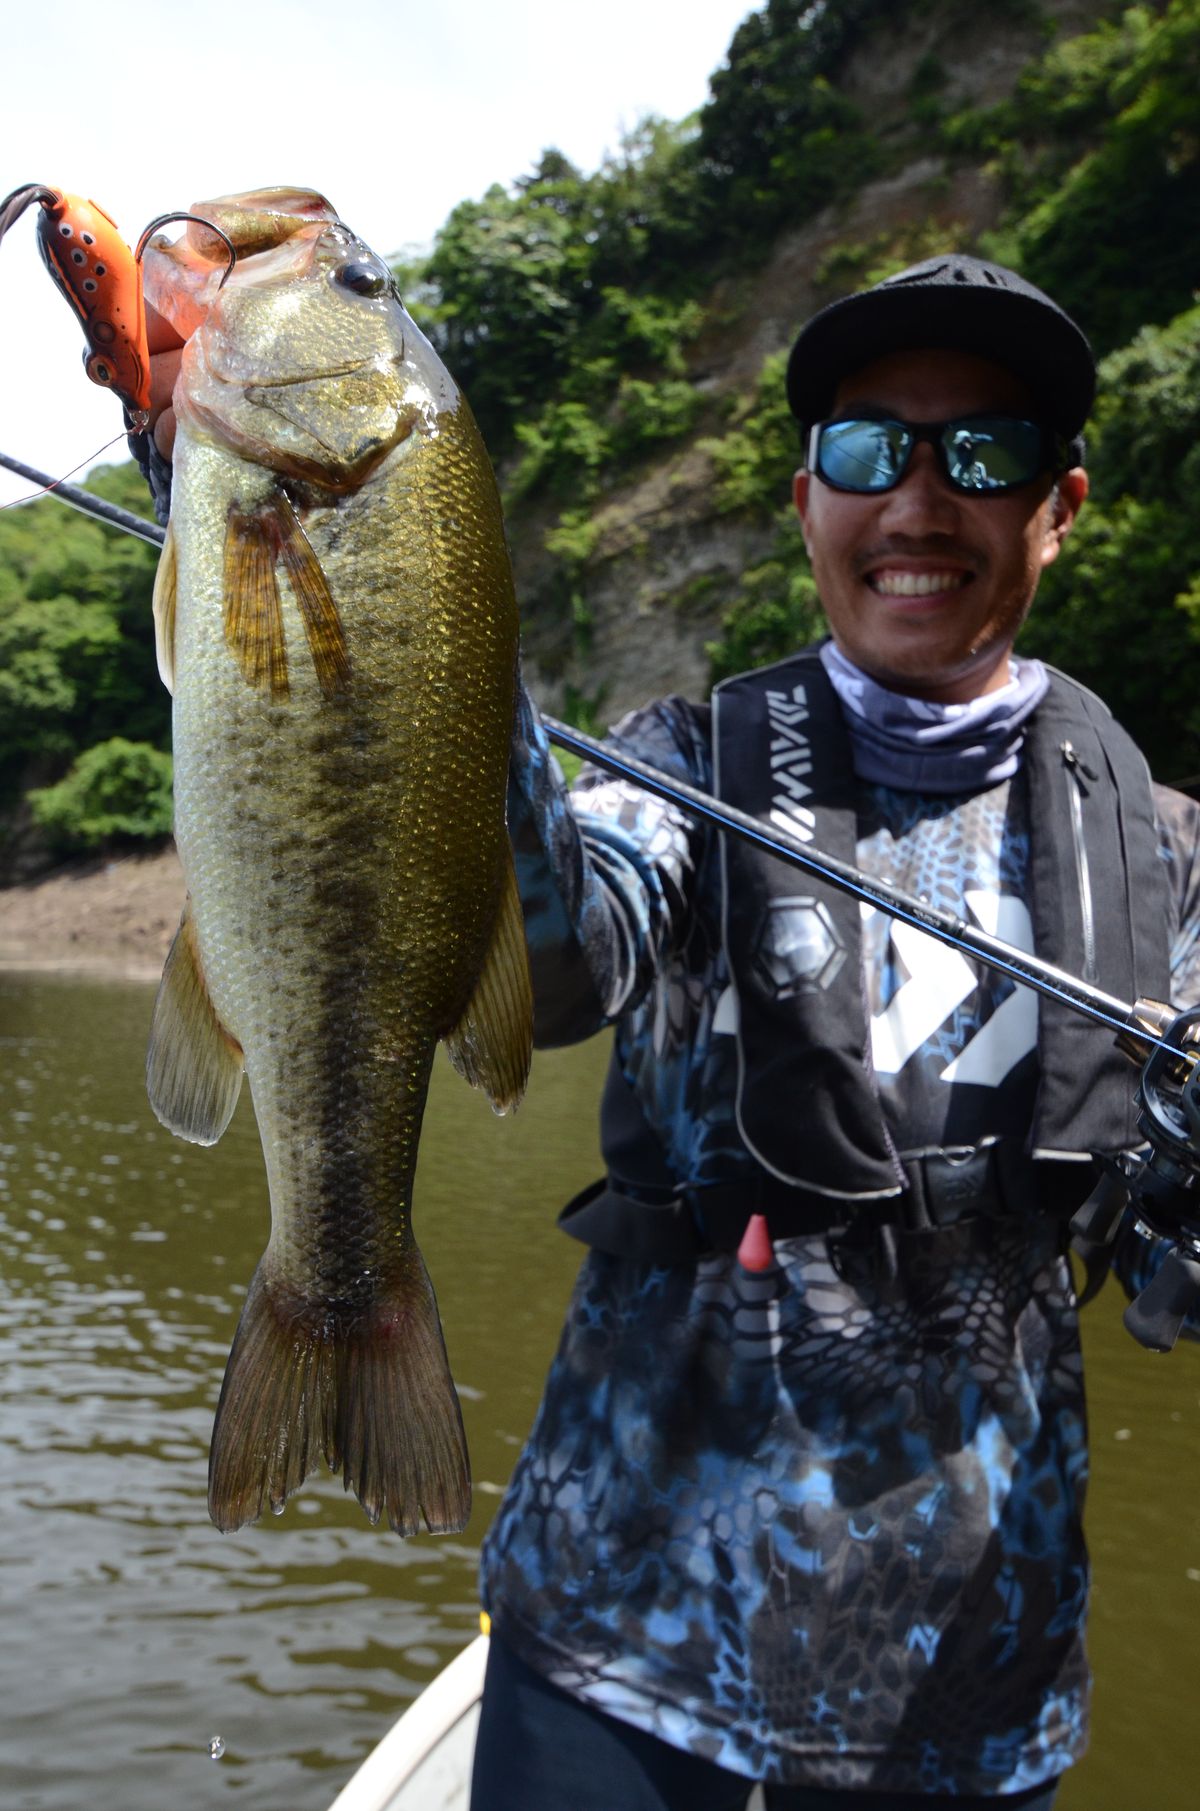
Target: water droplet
x=277 y=1508
x=216 y=1747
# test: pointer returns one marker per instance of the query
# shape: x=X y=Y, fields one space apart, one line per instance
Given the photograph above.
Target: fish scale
x=344 y=662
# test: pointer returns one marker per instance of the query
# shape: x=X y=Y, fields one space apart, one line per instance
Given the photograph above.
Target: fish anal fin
x=492 y=1044
x=368 y=1389
x=253 y=615
x=318 y=612
x=166 y=579
x=193 y=1066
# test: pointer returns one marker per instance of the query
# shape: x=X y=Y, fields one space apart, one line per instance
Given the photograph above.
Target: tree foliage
x=76 y=642
x=117 y=791
x=579 y=313
x=1105 y=214
x=1120 y=609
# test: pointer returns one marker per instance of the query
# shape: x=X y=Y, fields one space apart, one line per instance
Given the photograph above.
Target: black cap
x=956 y=302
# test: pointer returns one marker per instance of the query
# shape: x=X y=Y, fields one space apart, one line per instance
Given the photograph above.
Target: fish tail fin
x=369 y=1389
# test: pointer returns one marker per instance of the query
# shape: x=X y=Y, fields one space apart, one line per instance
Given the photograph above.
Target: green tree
x=1109 y=228
x=117 y=791
x=511 y=273
x=76 y=640
x=1119 y=607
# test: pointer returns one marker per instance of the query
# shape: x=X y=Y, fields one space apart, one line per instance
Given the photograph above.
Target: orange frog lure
x=102 y=280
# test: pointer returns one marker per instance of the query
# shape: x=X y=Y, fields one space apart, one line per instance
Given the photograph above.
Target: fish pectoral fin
x=318 y=612
x=255 y=540
x=165 y=585
x=253 y=616
x=193 y=1066
x=492 y=1044
x=369 y=1388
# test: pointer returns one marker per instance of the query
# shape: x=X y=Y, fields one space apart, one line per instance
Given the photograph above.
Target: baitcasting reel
x=1162 y=1184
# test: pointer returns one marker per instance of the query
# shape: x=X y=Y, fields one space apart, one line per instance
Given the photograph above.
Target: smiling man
x=926 y=583
x=805 y=1508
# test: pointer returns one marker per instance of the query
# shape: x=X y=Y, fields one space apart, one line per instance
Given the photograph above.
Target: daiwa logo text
x=791 y=763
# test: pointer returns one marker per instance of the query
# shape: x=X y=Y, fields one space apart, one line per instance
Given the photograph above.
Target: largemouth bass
x=335 y=610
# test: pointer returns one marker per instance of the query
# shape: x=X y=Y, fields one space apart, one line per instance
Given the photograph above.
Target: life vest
x=808 y=1108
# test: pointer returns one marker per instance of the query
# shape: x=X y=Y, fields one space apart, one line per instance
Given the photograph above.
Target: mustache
x=921 y=547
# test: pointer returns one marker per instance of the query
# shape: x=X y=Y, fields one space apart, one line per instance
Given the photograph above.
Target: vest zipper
x=1079 y=772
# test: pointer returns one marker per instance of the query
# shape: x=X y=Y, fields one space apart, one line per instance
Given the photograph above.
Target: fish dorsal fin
x=193 y=1066
x=492 y=1044
x=165 y=583
x=255 y=539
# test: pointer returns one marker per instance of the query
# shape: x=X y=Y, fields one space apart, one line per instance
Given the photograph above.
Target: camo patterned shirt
x=814 y=1532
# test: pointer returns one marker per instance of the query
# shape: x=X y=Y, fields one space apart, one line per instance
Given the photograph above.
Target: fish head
x=304 y=360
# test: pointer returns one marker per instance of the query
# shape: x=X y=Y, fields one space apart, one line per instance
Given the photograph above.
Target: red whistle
x=756 y=1251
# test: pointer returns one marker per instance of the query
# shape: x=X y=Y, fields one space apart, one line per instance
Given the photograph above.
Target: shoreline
x=106 y=918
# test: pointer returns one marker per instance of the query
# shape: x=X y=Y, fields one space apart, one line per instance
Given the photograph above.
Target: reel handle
x=1156 y=1315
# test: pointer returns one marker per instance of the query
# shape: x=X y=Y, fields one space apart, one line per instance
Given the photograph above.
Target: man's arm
x=1137 y=1258
x=605 y=871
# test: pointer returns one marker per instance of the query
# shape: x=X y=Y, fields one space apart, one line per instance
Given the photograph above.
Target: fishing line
x=48 y=485
x=84 y=501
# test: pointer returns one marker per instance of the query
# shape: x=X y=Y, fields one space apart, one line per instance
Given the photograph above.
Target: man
x=812 y=1515
x=805 y=1508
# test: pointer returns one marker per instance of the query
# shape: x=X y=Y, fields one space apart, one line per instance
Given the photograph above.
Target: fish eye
x=364 y=279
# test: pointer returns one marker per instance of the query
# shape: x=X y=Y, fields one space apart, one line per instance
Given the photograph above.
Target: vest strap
x=944 y=1187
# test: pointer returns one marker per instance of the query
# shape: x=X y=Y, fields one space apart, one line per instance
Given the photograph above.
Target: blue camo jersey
x=810 y=1531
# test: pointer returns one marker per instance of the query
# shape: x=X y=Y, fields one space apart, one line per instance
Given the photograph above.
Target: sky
x=395 y=111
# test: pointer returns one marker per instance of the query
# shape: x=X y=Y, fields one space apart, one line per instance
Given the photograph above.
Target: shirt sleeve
x=605 y=870
x=1137 y=1256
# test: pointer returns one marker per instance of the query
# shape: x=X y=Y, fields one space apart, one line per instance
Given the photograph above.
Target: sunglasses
x=984 y=455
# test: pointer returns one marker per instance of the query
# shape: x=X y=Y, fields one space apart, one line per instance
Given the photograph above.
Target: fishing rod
x=1163 y=1186
x=85 y=502
x=1138 y=1022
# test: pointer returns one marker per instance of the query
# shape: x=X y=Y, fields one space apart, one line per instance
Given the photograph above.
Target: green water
x=133 y=1632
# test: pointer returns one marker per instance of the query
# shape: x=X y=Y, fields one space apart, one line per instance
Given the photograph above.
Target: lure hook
x=165 y=219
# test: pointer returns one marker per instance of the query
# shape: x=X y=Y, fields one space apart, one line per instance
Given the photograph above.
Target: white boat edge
x=438 y=1727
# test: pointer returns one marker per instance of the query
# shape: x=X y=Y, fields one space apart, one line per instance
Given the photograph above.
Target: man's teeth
x=916 y=584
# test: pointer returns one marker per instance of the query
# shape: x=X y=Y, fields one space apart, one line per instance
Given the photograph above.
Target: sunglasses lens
x=863 y=455
x=990 y=453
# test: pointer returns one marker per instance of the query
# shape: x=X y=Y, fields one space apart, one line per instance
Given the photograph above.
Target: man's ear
x=1066 y=501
